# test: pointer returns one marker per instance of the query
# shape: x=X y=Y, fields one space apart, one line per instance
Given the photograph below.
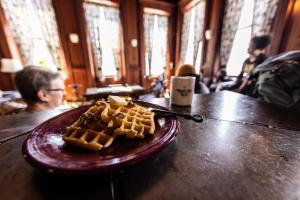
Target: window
x=191 y=37
x=155 y=33
x=33 y=26
x=241 y=40
x=103 y=23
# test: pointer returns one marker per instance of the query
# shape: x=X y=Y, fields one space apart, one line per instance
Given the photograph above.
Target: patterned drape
x=195 y=16
x=263 y=17
x=103 y=24
x=155 y=33
x=148 y=35
x=264 y=13
x=33 y=25
x=230 y=23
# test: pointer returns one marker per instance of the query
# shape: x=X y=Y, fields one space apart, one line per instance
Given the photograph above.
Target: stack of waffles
x=99 y=126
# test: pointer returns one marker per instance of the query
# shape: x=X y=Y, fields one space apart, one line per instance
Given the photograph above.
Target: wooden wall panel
x=6 y=82
x=68 y=23
x=68 y=18
x=291 y=38
x=280 y=26
x=80 y=76
x=214 y=24
x=130 y=22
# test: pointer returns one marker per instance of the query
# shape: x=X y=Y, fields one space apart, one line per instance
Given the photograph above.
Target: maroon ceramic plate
x=45 y=149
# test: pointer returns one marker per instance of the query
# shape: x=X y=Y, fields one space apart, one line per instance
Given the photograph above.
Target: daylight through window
x=103 y=23
x=33 y=26
x=241 y=40
x=191 y=38
x=155 y=31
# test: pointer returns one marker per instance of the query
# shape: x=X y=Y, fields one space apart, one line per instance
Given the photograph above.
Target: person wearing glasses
x=40 y=89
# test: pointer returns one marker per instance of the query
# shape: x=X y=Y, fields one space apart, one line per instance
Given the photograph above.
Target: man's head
x=40 y=86
x=259 y=43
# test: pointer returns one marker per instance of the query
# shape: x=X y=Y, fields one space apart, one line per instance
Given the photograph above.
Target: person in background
x=40 y=89
x=246 y=81
x=189 y=70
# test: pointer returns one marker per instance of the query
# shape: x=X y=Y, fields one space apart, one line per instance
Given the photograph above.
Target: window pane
x=191 y=38
x=238 y=52
x=155 y=31
x=33 y=25
x=246 y=17
x=241 y=40
x=103 y=25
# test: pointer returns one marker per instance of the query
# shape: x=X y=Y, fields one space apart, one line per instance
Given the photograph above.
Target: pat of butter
x=118 y=101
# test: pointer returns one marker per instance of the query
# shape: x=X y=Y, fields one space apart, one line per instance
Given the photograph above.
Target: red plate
x=45 y=149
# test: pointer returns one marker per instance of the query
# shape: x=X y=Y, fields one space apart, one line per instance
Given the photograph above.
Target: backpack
x=279 y=80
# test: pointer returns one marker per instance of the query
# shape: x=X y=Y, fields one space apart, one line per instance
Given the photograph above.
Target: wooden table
x=244 y=149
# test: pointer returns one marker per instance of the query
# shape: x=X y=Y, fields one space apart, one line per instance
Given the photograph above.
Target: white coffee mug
x=182 y=90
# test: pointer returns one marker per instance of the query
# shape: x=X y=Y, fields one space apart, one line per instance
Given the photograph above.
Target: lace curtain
x=191 y=33
x=264 y=13
x=263 y=17
x=33 y=25
x=155 y=34
x=103 y=24
x=230 y=23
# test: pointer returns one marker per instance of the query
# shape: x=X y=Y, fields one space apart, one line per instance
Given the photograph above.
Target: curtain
x=185 y=32
x=103 y=24
x=148 y=35
x=192 y=31
x=33 y=25
x=230 y=23
x=156 y=35
x=264 y=14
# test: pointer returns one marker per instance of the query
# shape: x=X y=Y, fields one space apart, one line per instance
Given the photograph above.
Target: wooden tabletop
x=244 y=149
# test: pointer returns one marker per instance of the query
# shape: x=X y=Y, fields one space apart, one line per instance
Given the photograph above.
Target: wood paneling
x=130 y=24
x=80 y=76
x=280 y=26
x=214 y=24
x=6 y=81
x=68 y=18
x=68 y=23
x=291 y=38
x=130 y=31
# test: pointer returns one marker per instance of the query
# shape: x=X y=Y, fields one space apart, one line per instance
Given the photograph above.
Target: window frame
x=184 y=7
x=164 y=9
x=12 y=50
x=91 y=59
x=233 y=43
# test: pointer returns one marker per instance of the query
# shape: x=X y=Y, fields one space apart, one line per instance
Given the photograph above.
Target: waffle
x=89 y=139
x=101 y=124
x=89 y=131
x=131 y=120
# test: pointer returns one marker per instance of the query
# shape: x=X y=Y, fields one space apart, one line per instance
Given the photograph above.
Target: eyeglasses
x=55 y=89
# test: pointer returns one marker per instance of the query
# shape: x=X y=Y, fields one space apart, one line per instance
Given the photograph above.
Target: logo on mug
x=184 y=92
